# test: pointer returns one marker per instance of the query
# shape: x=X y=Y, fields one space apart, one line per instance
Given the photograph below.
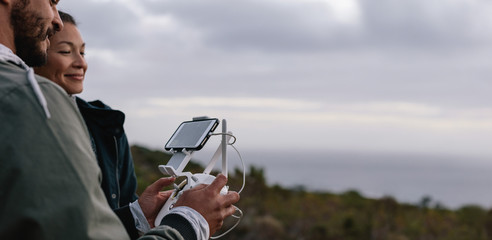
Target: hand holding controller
x=212 y=201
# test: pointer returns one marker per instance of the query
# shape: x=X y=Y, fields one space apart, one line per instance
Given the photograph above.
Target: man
x=49 y=178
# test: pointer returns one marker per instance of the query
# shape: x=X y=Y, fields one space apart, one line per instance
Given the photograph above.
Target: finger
x=230 y=210
x=219 y=226
x=219 y=182
x=231 y=198
x=166 y=194
x=198 y=187
x=158 y=185
x=216 y=227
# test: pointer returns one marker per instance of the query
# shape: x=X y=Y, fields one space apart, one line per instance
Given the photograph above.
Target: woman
x=66 y=66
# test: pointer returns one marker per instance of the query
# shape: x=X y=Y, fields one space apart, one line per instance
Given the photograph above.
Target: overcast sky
x=380 y=75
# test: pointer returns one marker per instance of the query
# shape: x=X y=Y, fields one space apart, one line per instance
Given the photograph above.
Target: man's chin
x=40 y=56
x=37 y=60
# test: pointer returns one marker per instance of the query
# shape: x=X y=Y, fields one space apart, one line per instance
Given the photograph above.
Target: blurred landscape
x=273 y=211
x=452 y=180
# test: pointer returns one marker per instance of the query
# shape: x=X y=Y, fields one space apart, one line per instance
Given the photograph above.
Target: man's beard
x=29 y=33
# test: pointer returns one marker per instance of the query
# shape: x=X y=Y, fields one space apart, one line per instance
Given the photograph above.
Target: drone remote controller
x=177 y=163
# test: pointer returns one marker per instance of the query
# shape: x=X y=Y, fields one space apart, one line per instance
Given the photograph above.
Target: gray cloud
x=425 y=24
x=287 y=26
x=105 y=24
x=300 y=26
x=263 y=25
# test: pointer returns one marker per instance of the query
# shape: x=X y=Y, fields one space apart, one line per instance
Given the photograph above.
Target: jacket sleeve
x=162 y=233
x=173 y=227
x=128 y=179
x=126 y=217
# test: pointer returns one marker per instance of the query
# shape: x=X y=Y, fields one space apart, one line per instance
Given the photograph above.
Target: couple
x=49 y=186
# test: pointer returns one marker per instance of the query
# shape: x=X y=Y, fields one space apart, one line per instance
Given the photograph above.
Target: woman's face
x=66 y=62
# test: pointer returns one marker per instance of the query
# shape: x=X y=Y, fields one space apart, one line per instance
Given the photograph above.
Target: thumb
x=158 y=185
x=219 y=182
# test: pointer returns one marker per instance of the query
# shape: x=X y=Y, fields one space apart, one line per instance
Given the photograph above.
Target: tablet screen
x=191 y=135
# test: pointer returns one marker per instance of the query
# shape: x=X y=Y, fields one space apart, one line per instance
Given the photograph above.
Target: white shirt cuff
x=138 y=216
x=197 y=221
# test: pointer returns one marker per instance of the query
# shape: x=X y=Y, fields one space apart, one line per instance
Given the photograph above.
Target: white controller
x=192 y=181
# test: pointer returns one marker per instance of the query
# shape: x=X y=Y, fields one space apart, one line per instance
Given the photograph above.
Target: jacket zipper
x=117 y=173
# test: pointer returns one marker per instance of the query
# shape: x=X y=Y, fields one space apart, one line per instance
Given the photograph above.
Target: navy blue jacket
x=110 y=144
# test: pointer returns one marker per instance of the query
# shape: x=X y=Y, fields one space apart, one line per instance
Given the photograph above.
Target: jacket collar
x=100 y=114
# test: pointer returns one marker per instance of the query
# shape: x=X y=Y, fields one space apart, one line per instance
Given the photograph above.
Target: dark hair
x=67 y=18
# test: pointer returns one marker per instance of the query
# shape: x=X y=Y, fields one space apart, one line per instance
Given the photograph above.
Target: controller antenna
x=224 y=147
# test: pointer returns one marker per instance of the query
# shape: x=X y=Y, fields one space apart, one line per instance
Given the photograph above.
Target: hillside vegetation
x=275 y=212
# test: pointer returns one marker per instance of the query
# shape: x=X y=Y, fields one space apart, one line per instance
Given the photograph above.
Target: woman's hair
x=67 y=18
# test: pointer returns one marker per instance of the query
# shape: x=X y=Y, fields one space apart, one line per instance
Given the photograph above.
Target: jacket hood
x=6 y=55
